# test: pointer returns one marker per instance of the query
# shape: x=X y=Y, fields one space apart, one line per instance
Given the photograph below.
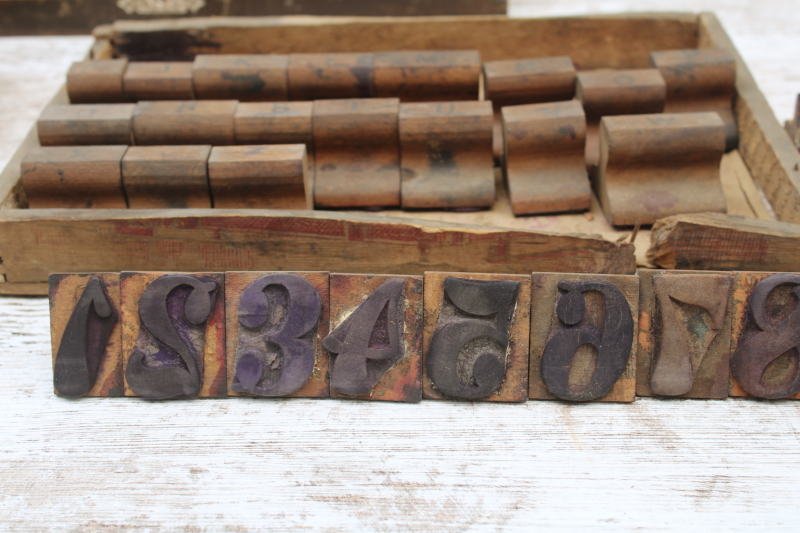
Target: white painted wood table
x=126 y=465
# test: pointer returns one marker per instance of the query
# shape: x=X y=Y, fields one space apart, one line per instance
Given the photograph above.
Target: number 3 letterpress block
x=476 y=337
x=173 y=334
x=376 y=340
x=582 y=337
x=275 y=324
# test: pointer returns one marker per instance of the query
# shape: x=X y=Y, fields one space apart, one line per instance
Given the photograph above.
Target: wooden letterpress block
x=544 y=158
x=323 y=76
x=583 y=329
x=85 y=124
x=446 y=155
x=684 y=339
x=269 y=355
x=428 y=76
x=654 y=166
x=74 y=176
x=274 y=123
x=375 y=343
x=158 y=80
x=173 y=335
x=357 y=153
x=86 y=333
x=266 y=177
x=193 y=122
x=95 y=82
x=166 y=176
x=475 y=340
x=247 y=78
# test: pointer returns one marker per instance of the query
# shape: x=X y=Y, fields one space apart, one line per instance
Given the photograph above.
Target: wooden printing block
x=700 y=80
x=264 y=177
x=684 y=338
x=157 y=177
x=274 y=123
x=247 y=78
x=85 y=124
x=86 y=334
x=446 y=155
x=173 y=335
x=765 y=362
x=375 y=343
x=654 y=166
x=95 y=82
x=545 y=169
x=357 y=153
x=191 y=122
x=475 y=340
x=617 y=92
x=275 y=325
x=428 y=76
x=582 y=337
x=324 y=76
x=74 y=176
x=158 y=80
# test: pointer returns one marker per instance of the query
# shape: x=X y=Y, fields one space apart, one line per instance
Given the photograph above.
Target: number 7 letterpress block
x=583 y=330
x=173 y=334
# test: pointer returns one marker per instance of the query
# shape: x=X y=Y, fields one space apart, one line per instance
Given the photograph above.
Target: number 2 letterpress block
x=582 y=337
x=173 y=334
x=476 y=337
x=375 y=343
x=275 y=325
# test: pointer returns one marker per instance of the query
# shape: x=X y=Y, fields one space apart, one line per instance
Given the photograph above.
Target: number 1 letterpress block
x=173 y=335
x=583 y=329
x=476 y=337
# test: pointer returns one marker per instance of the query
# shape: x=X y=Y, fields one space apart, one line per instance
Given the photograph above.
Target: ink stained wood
x=247 y=78
x=428 y=75
x=85 y=124
x=97 y=81
x=189 y=122
x=158 y=80
x=274 y=123
x=157 y=177
x=326 y=76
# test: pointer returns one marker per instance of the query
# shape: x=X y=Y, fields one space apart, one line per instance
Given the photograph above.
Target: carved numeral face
x=278 y=317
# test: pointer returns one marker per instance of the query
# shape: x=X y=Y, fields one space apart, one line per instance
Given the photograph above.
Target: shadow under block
x=428 y=76
x=263 y=177
x=544 y=161
x=654 y=166
x=583 y=329
x=375 y=344
x=85 y=124
x=357 y=153
x=86 y=334
x=446 y=155
x=158 y=177
x=96 y=82
x=285 y=361
x=684 y=339
x=74 y=177
x=274 y=123
x=475 y=337
x=173 y=335
x=189 y=122
x=158 y=80
x=325 y=76
x=247 y=78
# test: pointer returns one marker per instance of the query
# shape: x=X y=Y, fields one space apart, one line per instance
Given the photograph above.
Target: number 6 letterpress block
x=476 y=337
x=275 y=325
x=173 y=334
x=582 y=337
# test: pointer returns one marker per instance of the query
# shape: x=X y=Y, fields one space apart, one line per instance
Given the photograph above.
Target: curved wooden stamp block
x=85 y=124
x=157 y=177
x=95 y=82
x=324 y=76
x=247 y=78
x=158 y=80
x=428 y=75
x=189 y=122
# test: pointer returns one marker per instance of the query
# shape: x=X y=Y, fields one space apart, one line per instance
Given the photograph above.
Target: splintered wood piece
x=158 y=177
x=158 y=80
x=320 y=76
x=475 y=340
x=446 y=155
x=583 y=329
x=375 y=342
x=74 y=176
x=86 y=334
x=617 y=92
x=544 y=160
x=191 y=122
x=428 y=76
x=684 y=338
x=653 y=166
x=173 y=335
x=357 y=153
x=85 y=124
x=700 y=80
x=261 y=176
x=275 y=325
x=95 y=82
x=247 y=78
x=274 y=123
